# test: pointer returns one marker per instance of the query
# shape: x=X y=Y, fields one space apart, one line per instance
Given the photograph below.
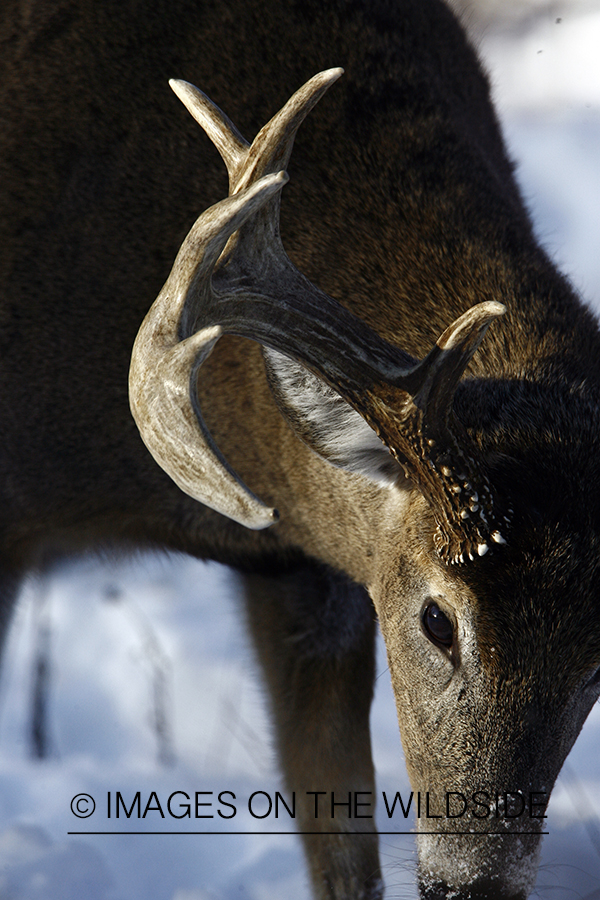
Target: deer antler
x=257 y=293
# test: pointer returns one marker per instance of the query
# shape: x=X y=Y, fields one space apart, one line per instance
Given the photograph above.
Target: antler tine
x=413 y=416
x=272 y=146
x=450 y=355
x=163 y=372
x=232 y=145
x=270 y=151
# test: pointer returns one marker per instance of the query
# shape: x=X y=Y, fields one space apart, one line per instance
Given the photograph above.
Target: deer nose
x=483 y=889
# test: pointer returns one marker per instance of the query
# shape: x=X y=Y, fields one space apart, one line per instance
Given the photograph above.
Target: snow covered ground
x=152 y=682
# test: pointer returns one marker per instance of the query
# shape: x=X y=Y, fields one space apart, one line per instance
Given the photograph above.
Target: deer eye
x=437 y=626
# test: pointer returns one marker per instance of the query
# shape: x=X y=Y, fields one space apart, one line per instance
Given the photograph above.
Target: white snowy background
x=127 y=639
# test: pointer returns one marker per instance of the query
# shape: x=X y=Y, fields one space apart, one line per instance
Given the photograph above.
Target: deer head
x=470 y=713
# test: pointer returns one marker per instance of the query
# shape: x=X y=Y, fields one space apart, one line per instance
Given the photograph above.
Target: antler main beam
x=232 y=275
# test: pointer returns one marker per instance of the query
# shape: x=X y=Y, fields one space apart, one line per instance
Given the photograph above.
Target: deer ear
x=327 y=423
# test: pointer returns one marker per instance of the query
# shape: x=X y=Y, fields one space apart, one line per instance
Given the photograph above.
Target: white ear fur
x=329 y=425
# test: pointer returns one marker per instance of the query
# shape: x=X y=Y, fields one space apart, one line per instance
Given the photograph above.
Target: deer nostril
x=485 y=889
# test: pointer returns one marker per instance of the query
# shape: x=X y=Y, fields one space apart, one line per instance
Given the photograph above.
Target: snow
x=153 y=686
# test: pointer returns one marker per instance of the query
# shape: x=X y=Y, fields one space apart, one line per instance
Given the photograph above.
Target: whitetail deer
x=458 y=496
